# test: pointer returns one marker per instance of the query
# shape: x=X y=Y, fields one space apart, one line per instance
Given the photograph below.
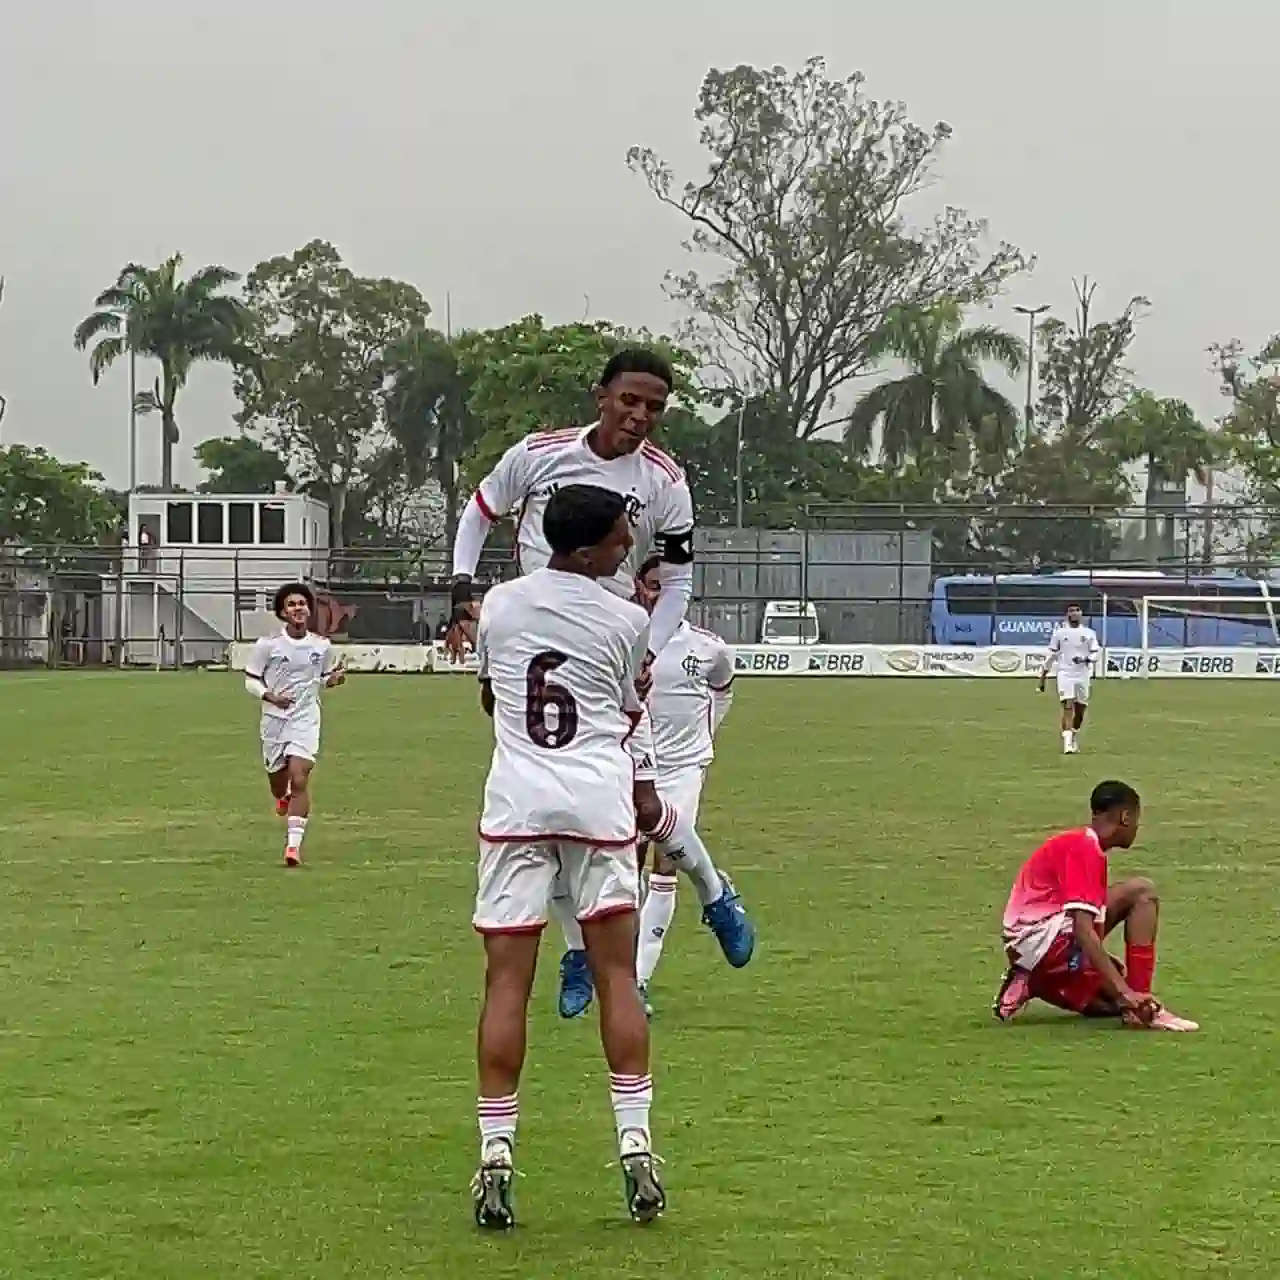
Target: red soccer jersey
x=1066 y=873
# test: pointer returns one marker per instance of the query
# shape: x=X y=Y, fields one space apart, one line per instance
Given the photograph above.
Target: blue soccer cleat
x=727 y=918
x=576 y=989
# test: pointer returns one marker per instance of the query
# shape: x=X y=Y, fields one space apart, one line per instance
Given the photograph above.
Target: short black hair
x=1073 y=604
x=638 y=360
x=648 y=566
x=293 y=589
x=1109 y=796
x=580 y=515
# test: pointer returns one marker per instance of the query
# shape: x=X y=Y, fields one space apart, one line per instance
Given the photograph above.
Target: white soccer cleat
x=646 y=1199
x=491 y=1188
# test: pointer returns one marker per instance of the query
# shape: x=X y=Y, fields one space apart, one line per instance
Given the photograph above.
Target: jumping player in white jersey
x=286 y=672
x=691 y=695
x=1073 y=649
x=559 y=657
x=614 y=453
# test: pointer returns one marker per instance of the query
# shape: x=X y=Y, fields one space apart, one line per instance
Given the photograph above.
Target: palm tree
x=428 y=413
x=151 y=311
x=1174 y=444
x=942 y=410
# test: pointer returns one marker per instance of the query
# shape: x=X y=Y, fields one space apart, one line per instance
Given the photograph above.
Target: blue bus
x=1023 y=609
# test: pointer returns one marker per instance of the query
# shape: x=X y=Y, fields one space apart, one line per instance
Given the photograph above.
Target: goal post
x=1247 y=620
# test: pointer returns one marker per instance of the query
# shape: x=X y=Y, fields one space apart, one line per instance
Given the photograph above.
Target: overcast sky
x=476 y=147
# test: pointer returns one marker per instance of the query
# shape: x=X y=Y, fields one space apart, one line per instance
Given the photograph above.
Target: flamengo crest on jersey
x=693 y=666
x=560 y=653
x=658 y=502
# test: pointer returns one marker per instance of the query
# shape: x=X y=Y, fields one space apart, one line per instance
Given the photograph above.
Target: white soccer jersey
x=561 y=654
x=651 y=483
x=1075 y=649
x=297 y=668
x=691 y=680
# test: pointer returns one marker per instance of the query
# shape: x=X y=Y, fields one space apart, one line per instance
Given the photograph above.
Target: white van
x=789 y=622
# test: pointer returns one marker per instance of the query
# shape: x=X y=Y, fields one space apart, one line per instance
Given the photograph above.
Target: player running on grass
x=616 y=454
x=1062 y=907
x=286 y=673
x=1073 y=649
x=691 y=695
x=559 y=657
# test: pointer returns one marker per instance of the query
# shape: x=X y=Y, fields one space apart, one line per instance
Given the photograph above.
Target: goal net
x=1235 y=621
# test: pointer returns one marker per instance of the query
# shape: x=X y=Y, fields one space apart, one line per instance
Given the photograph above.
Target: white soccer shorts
x=682 y=790
x=516 y=880
x=640 y=744
x=1073 y=687
x=279 y=743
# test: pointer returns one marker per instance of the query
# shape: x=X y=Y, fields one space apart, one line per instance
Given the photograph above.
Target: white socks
x=632 y=1097
x=498 y=1119
x=295 y=829
x=655 y=922
x=677 y=841
x=562 y=909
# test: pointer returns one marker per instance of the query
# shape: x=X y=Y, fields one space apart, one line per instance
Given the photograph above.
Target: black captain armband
x=677 y=548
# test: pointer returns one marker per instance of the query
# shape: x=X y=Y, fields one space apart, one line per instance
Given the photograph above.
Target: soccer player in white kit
x=1073 y=649
x=691 y=695
x=614 y=453
x=286 y=672
x=559 y=657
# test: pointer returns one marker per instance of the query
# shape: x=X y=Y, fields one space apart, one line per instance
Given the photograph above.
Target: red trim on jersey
x=485 y=509
x=720 y=688
x=509 y=930
x=548 y=439
x=605 y=912
x=664 y=462
x=549 y=837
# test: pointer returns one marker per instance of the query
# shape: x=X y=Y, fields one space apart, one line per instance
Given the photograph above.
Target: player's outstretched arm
x=674 y=537
x=497 y=495
x=1050 y=660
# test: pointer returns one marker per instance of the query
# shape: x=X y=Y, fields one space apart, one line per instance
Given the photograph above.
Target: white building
x=199 y=570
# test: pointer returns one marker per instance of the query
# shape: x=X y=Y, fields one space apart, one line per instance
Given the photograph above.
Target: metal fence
x=869 y=572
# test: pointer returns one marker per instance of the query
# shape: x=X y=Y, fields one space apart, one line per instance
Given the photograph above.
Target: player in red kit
x=1062 y=907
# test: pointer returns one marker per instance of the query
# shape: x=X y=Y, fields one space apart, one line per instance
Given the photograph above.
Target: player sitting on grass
x=1062 y=907
x=559 y=657
x=286 y=673
x=1073 y=649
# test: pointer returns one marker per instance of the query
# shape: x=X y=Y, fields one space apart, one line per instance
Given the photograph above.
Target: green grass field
x=215 y=1068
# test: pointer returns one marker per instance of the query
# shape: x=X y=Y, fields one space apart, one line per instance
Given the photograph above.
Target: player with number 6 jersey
x=559 y=657
x=614 y=453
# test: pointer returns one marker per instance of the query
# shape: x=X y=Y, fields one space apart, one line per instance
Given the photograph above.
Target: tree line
x=832 y=355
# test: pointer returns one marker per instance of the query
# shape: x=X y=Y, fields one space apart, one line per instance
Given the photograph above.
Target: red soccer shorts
x=1065 y=978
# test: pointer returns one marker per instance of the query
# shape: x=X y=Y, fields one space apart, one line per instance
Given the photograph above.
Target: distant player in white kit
x=559 y=657
x=286 y=672
x=691 y=695
x=1073 y=649
x=616 y=454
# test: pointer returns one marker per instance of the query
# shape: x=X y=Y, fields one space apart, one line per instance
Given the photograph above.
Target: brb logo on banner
x=845 y=664
x=762 y=662
x=1131 y=664
x=1218 y=664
